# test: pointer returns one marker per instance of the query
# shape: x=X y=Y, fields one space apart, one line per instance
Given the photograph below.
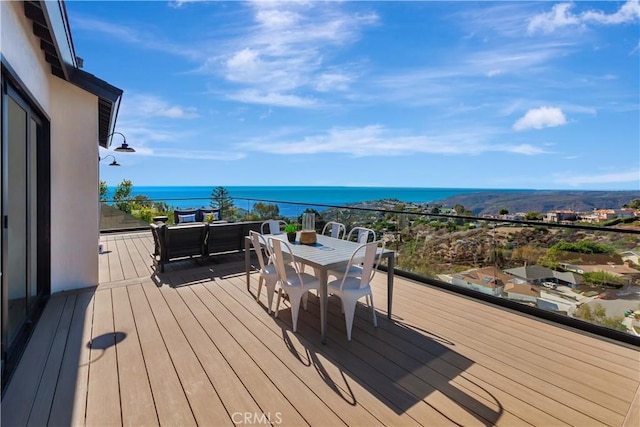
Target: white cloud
x=331 y=81
x=561 y=16
x=539 y=118
x=378 y=141
x=628 y=13
x=272 y=98
x=607 y=178
x=558 y=17
x=175 y=153
x=288 y=49
x=147 y=106
x=176 y=4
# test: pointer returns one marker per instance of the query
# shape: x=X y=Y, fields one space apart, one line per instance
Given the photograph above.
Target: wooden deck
x=193 y=347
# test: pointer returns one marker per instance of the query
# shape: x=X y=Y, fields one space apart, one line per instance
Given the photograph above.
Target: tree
x=103 y=191
x=601 y=278
x=143 y=201
x=504 y=211
x=533 y=216
x=221 y=199
x=497 y=258
x=122 y=196
x=634 y=204
x=266 y=210
x=598 y=315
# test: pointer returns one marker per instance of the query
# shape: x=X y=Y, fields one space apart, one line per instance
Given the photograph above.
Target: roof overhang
x=51 y=26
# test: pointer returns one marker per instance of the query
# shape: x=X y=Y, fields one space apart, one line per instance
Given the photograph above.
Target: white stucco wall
x=22 y=50
x=73 y=115
x=74 y=187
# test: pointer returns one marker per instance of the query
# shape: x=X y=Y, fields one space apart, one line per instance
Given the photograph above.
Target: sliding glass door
x=22 y=291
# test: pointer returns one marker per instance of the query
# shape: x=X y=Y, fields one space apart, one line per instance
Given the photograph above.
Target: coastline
x=479 y=201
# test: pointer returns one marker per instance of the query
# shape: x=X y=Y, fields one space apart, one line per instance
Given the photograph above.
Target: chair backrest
x=278 y=249
x=337 y=229
x=272 y=226
x=367 y=258
x=361 y=234
x=258 y=242
x=186 y=240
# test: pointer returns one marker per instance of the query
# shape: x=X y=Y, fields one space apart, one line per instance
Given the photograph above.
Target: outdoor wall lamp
x=124 y=148
x=114 y=163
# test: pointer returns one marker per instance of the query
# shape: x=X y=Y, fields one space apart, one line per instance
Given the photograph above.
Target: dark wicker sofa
x=198 y=240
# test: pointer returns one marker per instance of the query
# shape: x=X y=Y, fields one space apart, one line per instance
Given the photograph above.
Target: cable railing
x=581 y=275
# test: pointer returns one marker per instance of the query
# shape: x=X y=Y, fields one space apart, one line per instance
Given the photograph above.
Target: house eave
x=51 y=26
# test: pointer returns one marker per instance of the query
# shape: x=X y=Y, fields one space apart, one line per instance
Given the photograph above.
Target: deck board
x=494 y=327
x=203 y=399
x=172 y=405
x=24 y=385
x=137 y=403
x=103 y=394
x=193 y=347
x=44 y=397
x=72 y=382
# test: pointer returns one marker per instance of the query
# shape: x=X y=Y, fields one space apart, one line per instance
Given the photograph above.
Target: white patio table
x=327 y=254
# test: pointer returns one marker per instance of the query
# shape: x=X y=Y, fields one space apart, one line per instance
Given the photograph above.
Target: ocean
x=245 y=196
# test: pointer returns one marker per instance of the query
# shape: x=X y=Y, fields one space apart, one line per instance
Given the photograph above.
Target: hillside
x=488 y=202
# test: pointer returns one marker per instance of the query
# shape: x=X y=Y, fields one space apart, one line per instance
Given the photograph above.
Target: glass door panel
x=35 y=133
x=15 y=185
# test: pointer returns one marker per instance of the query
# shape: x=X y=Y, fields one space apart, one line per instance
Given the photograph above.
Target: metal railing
x=584 y=276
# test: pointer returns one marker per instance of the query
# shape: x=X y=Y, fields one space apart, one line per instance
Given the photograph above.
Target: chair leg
x=295 y=309
x=271 y=288
x=278 y=302
x=260 y=280
x=373 y=310
x=349 y=313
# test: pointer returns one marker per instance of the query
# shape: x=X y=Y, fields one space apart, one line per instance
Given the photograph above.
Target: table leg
x=247 y=259
x=391 y=266
x=324 y=303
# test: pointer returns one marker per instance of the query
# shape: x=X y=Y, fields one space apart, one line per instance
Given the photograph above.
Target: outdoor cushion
x=186 y=218
x=204 y=212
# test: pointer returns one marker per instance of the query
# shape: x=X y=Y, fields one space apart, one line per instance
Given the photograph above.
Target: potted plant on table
x=291 y=230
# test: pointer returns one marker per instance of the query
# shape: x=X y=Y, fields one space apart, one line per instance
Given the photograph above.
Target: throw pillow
x=186 y=218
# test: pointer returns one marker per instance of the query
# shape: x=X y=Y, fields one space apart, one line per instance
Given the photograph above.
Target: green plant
x=290 y=228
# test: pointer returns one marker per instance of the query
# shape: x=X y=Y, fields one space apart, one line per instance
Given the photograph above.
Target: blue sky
x=535 y=95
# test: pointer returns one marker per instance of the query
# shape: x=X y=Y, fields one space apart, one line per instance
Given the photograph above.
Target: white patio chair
x=272 y=226
x=296 y=284
x=336 y=229
x=357 y=284
x=268 y=273
x=361 y=235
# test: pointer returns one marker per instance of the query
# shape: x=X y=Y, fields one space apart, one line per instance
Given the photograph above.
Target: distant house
x=624 y=272
x=537 y=274
x=522 y=292
x=560 y=216
x=531 y=274
x=591 y=218
x=548 y=301
x=606 y=214
x=567 y=278
x=488 y=280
